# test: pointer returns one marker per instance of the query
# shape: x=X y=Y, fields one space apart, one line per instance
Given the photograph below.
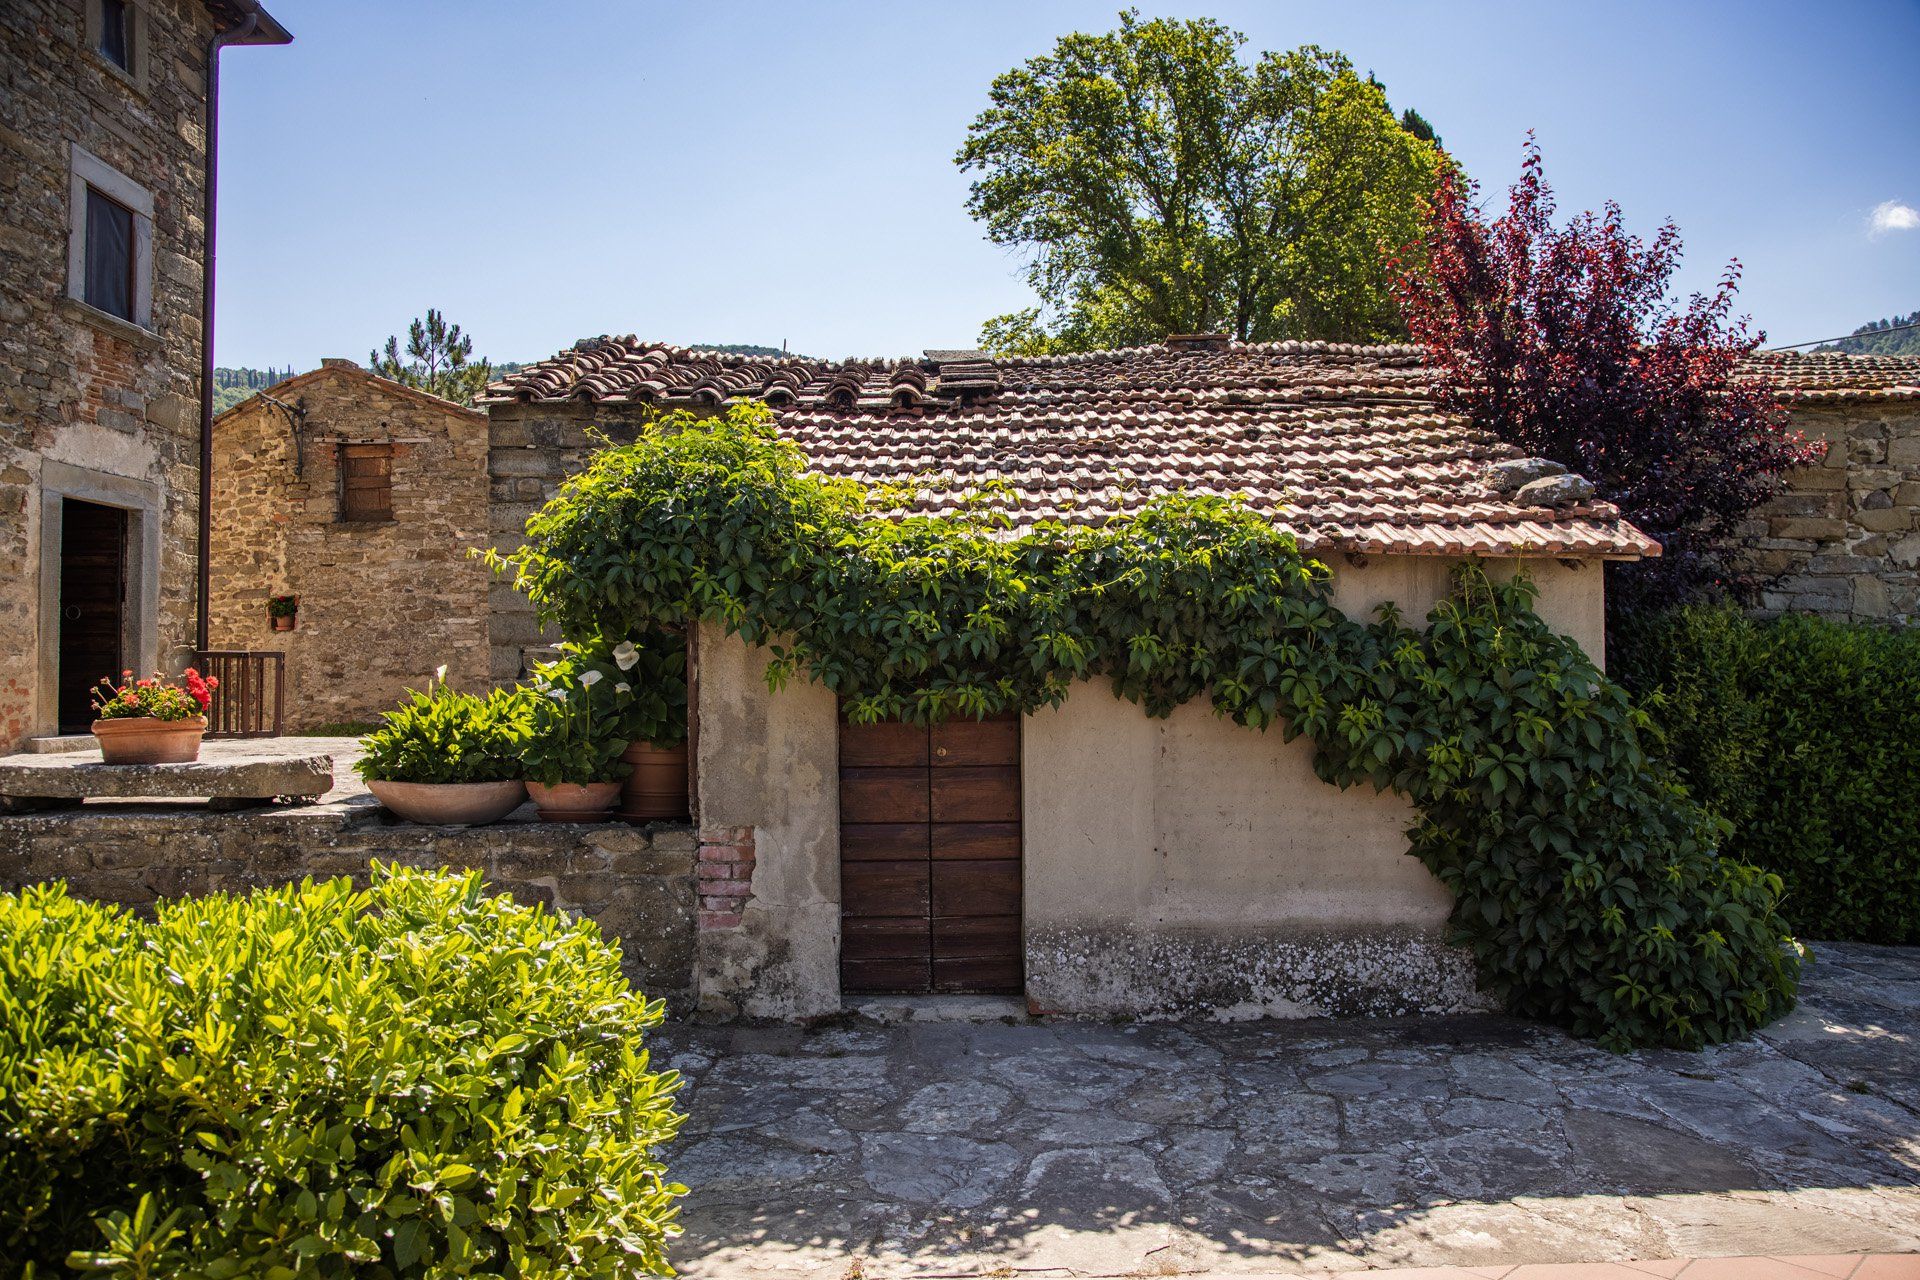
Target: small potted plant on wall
x=573 y=758
x=449 y=758
x=285 y=612
x=151 y=720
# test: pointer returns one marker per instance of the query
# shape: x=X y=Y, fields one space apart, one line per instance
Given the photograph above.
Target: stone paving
x=950 y=1148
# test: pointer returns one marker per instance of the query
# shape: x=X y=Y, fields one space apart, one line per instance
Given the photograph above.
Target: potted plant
x=449 y=758
x=573 y=758
x=151 y=720
x=653 y=715
x=285 y=612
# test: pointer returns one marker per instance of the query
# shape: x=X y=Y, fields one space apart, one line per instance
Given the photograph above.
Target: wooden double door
x=930 y=857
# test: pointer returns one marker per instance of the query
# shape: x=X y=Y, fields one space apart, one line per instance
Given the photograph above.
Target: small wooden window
x=366 y=482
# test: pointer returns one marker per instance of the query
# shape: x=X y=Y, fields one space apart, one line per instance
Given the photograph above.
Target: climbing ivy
x=1586 y=883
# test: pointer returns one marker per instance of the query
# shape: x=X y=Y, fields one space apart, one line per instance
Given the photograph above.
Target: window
x=366 y=482
x=109 y=283
x=109 y=242
x=115 y=31
x=114 y=44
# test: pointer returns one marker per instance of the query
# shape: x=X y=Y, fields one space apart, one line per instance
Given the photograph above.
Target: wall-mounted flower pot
x=285 y=622
x=574 y=801
x=449 y=804
x=656 y=790
x=145 y=740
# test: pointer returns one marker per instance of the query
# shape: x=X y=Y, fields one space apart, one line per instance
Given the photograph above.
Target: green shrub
x=444 y=735
x=1804 y=734
x=1586 y=883
x=414 y=1080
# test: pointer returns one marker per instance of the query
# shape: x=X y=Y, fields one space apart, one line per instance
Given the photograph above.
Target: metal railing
x=250 y=700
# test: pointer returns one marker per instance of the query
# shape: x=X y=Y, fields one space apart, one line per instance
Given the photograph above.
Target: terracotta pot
x=657 y=787
x=564 y=801
x=284 y=622
x=145 y=740
x=450 y=804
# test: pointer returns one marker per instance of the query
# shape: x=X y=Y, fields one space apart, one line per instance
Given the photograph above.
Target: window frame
x=89 y=171
x=345 y=511
x=93 y=35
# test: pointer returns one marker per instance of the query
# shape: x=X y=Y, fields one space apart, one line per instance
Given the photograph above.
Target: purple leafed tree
x=1564 y=341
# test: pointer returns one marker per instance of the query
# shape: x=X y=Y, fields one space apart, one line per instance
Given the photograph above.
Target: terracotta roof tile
x=1341 y=444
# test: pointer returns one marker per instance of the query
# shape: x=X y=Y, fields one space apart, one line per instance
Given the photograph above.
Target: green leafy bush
x=414 y=1080
x=444 y=735
x=1586 y=882
x=1804 y=734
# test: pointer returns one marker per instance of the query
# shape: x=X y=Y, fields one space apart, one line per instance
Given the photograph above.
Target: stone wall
x=382 y=603
x=533 y=447
x=1844 y=539
x=636 y=882
x=77 y=386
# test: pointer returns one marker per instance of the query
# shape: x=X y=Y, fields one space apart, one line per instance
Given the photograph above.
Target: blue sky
x=751 y=172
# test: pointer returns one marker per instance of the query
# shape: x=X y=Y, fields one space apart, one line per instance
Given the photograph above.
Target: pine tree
x=438 y=360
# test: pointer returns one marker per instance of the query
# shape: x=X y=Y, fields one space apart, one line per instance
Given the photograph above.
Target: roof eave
x=266 y=30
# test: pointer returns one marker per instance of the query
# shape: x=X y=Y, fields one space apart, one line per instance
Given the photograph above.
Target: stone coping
x=228 y=769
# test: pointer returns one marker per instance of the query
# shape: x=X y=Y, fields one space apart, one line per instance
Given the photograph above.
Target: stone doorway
x=93 y=605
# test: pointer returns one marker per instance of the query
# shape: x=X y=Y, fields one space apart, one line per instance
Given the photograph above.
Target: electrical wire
x=1871 y=333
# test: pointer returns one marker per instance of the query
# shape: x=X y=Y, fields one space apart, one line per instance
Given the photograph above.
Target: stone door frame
x=140 y=612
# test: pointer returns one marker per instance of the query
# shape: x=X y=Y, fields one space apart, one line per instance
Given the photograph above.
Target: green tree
x=438 y=360
x=1161 y=185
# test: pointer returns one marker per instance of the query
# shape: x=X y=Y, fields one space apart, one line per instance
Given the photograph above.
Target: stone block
x=1806 y=527
x=1904 y=449
x=1890 y=520
x=1554 y=491
x=227 y=769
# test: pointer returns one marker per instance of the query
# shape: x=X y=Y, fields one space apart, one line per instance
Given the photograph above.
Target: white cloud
x=1891 y=215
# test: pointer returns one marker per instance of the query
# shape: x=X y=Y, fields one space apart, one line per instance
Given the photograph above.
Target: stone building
x=1088 y=857
x=1844 y=539
x=361 y=497
x=103 y=220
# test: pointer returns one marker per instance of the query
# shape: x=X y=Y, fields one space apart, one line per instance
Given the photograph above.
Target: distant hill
x=737 y=348
x=231 y=386
x=1873 y=339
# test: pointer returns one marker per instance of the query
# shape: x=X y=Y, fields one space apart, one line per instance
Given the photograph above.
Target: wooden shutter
x=366 y=482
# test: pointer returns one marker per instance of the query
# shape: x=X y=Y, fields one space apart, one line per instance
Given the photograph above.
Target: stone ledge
x=226 y=770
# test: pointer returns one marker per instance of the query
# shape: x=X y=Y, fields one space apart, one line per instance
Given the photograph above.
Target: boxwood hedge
x=412 y=1080
x=1804 y=734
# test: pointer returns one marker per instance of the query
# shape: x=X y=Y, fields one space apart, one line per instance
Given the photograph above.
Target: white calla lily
x=589 y=678
x=625 y=655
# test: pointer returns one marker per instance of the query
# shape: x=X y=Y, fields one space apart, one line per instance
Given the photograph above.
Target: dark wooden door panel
x=976 y=937
x=1002 y=974
x=930 y=868
x=968 y=742
x=884 y=889
x=891 y=743
x=93 y=563
x=883 y=795
x=883 y=939
x=883 y=841
x=976 y=840
x=976 y=793
x=976 y=888
x=883 y=976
